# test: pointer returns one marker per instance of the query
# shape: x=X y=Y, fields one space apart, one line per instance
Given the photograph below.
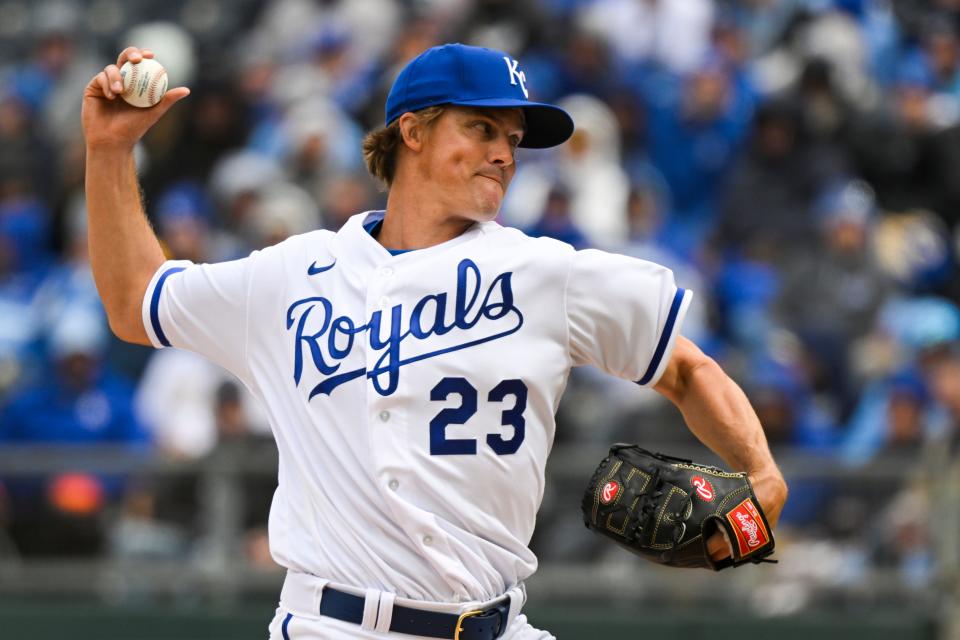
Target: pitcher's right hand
x=108 y=121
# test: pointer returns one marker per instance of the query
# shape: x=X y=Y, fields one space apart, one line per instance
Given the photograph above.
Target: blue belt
x=473 y=625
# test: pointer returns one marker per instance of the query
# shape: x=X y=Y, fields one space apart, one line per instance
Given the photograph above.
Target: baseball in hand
x=144 y=83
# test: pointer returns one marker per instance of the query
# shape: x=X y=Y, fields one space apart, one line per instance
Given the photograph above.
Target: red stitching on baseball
x=133 y=80
x=153 y=86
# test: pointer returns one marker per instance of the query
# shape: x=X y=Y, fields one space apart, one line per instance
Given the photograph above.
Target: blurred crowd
x=796 y=162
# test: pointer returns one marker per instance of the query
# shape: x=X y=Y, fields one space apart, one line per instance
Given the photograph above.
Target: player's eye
x=483 y=127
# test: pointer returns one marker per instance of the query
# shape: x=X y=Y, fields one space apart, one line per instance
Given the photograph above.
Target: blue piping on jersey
x=664 y=337
x=155 y=305
x=283 y=629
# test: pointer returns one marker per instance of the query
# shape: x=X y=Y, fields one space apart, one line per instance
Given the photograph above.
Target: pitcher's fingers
x=103 y=81
x=116 y=80
x=133 y=54
x=147 y=53
x=717 y=547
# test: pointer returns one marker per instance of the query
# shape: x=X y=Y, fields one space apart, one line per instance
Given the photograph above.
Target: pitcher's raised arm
x=124 y=251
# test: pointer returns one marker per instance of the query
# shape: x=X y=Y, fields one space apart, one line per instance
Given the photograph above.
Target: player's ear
x=411 y=131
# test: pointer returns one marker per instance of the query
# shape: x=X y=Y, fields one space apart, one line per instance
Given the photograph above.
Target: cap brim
x=547 y=125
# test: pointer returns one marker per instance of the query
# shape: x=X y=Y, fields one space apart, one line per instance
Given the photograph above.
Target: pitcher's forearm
x=718 y=412
x=124 y=251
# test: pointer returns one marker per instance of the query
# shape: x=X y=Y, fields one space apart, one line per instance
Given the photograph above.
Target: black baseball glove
x=665 y=508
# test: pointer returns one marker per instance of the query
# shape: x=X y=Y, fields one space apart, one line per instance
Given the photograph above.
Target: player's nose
x=501 y=152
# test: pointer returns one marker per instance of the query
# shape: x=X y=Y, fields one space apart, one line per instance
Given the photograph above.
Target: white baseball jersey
x=412 y=396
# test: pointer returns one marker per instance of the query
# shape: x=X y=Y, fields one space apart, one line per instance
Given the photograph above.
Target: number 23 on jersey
x=507 y=391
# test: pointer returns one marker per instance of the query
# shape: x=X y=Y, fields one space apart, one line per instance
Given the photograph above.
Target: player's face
x=468 y=159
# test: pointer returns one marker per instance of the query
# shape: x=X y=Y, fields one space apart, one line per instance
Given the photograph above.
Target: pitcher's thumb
x=172 y=97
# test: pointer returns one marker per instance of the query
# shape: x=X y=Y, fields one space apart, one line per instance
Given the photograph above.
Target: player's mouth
x=496 y=179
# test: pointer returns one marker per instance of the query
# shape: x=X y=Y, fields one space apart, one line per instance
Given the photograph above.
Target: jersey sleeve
x=623 y=314
x=201 y=308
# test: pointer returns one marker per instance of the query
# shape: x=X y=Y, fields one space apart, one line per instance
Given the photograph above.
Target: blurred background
x=796 y=162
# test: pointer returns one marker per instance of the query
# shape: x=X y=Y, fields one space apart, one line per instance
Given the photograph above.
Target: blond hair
x=380 y=146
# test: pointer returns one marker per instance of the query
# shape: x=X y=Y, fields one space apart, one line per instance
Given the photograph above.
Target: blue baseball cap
x=476 y=77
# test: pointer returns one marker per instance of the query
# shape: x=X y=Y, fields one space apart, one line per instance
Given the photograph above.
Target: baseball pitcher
x=411 y=364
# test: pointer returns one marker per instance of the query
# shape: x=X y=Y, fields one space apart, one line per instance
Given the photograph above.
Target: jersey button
x=384 y=302
x=393 y=484
x=384 y=416
x=386 y=272
x=428 y=540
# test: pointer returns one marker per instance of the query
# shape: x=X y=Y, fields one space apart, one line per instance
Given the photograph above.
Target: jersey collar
x=363 y=246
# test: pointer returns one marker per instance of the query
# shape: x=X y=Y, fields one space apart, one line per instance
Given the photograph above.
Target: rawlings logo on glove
x=665 y=509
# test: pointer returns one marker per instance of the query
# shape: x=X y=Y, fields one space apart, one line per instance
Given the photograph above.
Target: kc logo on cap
x=466 y=76
x=517 y=76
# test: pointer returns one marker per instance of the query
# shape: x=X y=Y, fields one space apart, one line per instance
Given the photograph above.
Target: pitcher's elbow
x=128 y=327
x=118 y=327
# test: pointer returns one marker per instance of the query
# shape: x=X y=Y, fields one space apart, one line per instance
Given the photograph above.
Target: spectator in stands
x=941 y=365
x=285 y=27
x=80 y=403
x=893 y=416
x=824 y=109
x=941 y=53
x=25 y=154
x=68 y=287
x=508 y=25
x=909 y=153
x=781 y=393
x=175 y=401
x=694 y=133
x=319 y=141
x=213 y=125
x=51 y=78
x=904 y=536
x=316 y=68
x=24 y=260
x=583 y=65
x=25 y=225
x=282 y=210
x=556 y=220
x=631 y=117
x=764 y=209
x=672 y=35
x=832 y=295
x=183 y=220
x=236 y=184
x=745 y=289
x=138 y=533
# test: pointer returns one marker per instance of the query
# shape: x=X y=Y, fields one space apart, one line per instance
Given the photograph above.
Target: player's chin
x=487 y=204
x=487 y=210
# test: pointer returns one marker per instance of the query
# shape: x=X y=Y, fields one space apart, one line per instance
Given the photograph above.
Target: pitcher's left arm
x=718 y=412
